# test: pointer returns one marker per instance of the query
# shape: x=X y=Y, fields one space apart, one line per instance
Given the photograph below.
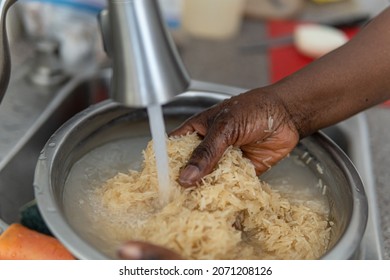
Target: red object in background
x=285 y=59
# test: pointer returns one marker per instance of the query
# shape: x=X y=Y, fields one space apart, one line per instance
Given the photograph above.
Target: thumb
x=138 y=250
x=203 y=160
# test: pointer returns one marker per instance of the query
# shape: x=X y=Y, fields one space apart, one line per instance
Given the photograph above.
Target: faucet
x=146 y=66
x=5 y=60
x=147 y=69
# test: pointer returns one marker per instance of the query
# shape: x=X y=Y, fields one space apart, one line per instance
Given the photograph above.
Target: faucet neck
x=5 y=60
x=147 y=68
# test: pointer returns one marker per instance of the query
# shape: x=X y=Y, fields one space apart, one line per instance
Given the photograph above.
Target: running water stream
x=157 y=128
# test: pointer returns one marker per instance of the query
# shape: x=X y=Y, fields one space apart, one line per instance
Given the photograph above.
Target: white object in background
x=172 y=12
x=217 y=19
x=72 y=22
x=315 y=40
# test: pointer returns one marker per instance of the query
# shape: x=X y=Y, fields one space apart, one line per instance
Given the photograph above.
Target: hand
x=138 y=250
x=256 y=121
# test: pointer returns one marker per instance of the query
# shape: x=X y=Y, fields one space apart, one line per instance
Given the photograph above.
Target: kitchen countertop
x=223 y=62
x=379 y=127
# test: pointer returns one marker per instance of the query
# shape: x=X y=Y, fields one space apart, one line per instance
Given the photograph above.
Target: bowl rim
x=347 y=247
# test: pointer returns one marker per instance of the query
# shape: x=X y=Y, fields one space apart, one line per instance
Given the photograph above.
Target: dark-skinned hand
x=256 y=121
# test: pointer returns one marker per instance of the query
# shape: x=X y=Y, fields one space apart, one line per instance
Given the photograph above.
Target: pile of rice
x=231 y=215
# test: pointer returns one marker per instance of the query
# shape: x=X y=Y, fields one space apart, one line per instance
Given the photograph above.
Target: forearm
x=344 y=82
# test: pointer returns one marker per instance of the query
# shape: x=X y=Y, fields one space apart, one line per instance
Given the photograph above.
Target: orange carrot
x=18 y=242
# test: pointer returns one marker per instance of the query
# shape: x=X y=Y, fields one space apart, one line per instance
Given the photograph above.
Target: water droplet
x=357 y=189
x=52 y=145
x=42 y=157
x=38 y=190
x=51 y=209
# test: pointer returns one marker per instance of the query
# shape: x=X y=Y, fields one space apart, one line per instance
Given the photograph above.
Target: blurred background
x=209 y=34
x=256 y=37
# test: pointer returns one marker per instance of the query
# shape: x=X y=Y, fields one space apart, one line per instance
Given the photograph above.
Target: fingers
x=196 y=123
x=207 y=154
x=182 y=130
x=138 y=250
x=204 y=158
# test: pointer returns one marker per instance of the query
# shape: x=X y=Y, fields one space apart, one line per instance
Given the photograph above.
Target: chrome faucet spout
x=5 y=60
x=147 y=68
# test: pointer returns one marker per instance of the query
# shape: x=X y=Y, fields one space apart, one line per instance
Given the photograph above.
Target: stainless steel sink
x=30 y=114
x=352 y=135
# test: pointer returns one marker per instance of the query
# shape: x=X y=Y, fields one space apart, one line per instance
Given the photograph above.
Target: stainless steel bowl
x=108 y=121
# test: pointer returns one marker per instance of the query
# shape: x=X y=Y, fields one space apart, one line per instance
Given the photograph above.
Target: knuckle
x=202 y=152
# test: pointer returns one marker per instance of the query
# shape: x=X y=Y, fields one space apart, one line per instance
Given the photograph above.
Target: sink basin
x=352 y=135
x=30 y=114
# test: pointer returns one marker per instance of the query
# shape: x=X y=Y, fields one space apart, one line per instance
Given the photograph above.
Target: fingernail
x=189 y=175
x=131 y=252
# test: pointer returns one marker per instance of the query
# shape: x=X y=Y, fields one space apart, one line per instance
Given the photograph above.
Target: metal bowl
x=108 y=121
